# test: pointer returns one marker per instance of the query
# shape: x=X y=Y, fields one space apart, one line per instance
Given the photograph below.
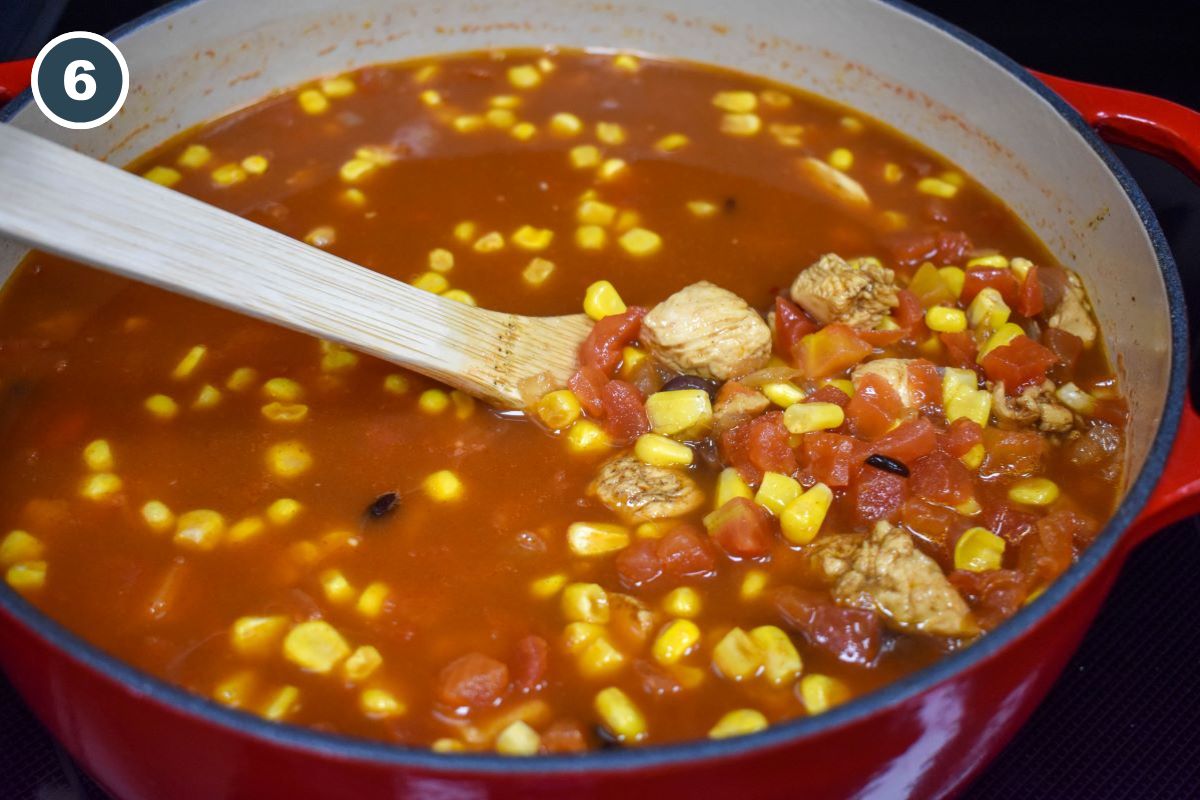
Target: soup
x=841 y=414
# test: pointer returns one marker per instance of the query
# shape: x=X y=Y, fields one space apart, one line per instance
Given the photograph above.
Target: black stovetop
x=1124 y=719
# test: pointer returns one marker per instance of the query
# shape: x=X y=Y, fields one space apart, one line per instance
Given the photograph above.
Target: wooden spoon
x=66 y=203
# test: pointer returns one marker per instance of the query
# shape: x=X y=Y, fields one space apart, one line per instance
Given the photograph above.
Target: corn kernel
x=433 y=401
x=852 y=124
x=674 y=642
x=158 y=516
x=200 y=529
x=937 y=188
x=626 y=62
x=1034 y=492
x=596 y=538
x=683 y=601
x=464 y=231
x=600 y=658
x=620 y=715
x=26 y=576
x=524 y=76
x=610 y=133
x=395 y=383
x=682 y=412
x=776 y=491
x=783 y=394
x=594 y=212
x=954 y=179
x=841 y=159
x=443 y=486
x=380 y=704
x=819 y=693
x=194 y=156
x=315 y=646
x=431 y=97
x=283 y=510
x=801 y=520
x=228 y=175
x=490 y=242
x=241 y=379
x=433 y=282
x=355 y=170
x=370 y=602
x=528 y=237
x=585 y=156
x=523 y=131
x=892 y=173
x=631 y=359
x=362 y=663
x=500 y=118
x=974 y=405
x=736 y=656
x=464 y=404
x=701 y=208
x=729 y=486
x=954 y=278
x=283 y=389
x=741 y=124
x=1020 y=267
x=586 y=436
x=978 y=550
x=974 y=457
x=100 y=485
x=537 y=271
x=246 y=529
x=286 y=413
x=741 y=722
x=161 y=406
x=504 y=101
x=602 y=300
x=781 y=661
x=627 y=220
x=282 y=703
x=640 y=242
x=321 y=236
x=20 y=546
x=969 y=507
x=611 y=169
x=671 y=143
x=98 y=456
x=946 y=320
x=994 y=260
x=988 y=309
x=547 y=587
x=558 y=409
x=735 y=102
x=565 y=124
x=469 y=123
x=379 y=155
x=809 y=417
x=288 y=459
x=163 y=176
x=518 y=739
x=578 y=635
x=1001 y=338
x=208 y=397
x=257 y=637
x=654 y=528
x=659 y=451
x=775 y=98
x=753 y=585
x=590 y=237
x=255 y=164
x=788 y=135
x=447 y=745
x=235 y=690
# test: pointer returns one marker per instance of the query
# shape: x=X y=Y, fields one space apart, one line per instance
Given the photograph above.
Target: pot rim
x=346 y=748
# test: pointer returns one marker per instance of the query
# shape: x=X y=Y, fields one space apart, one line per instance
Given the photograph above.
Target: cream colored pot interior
x=216 y=55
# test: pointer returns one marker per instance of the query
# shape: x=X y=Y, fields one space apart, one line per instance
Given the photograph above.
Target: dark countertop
x=1122 y=720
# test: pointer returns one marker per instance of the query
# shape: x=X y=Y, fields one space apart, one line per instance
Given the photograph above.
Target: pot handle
x=1171 y=132
x=14 y=78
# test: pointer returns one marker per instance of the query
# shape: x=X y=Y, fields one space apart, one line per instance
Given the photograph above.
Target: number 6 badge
x=80 y=80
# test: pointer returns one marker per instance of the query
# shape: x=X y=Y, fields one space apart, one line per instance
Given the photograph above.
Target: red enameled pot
x=924 y=736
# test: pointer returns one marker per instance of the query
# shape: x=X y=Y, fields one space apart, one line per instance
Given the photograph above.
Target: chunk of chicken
x=892 y=370
x=639 y=492
x=1074 y=313
x=708 y=331
x=834 y=183
x=887 y=572
x=1036 y=406
x=734 y=408
x=859 y=292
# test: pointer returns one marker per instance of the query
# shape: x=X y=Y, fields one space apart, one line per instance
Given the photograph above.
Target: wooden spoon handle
x=66 y=203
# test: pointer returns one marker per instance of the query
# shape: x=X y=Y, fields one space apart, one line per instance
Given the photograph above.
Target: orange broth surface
x=82 y=351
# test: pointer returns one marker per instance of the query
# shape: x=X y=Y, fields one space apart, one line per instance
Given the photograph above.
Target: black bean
x=691 y=382
x=887 y=464
x=730 y=204
x=608 y=741
x=383 y=505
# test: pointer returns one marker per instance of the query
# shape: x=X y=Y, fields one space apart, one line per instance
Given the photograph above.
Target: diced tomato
x=654 y=680
x=472 y=680
x=729 y=389
x=1047 y=553
x=851 y=635
x=880 y=338
x=742 y=528
x=926 y=385
x=624 y=411
x=530 y=662
x=999 y=278
x=768 y=447
x=586 y=383
x=1008 y=521
x=602 y=347
x=1031 y=301
x=791 y=325
x=734 y=448
x=941 y=479
x=1020 y=363
x=638 y=564
x=910 y=315
x=829 y=394
x=875 y=494
x=994 y=595
x=1066 y=346
x=833 y=458
x=685 y=552
x=874 y=408
x=564 y=736
x=960 y=437
x=908 y=442
x=960 y=348
x=952 y=247
x=938 y=525
x=944 y=248
x=1015 y=453
x=1054 y=284
x=830 y=350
